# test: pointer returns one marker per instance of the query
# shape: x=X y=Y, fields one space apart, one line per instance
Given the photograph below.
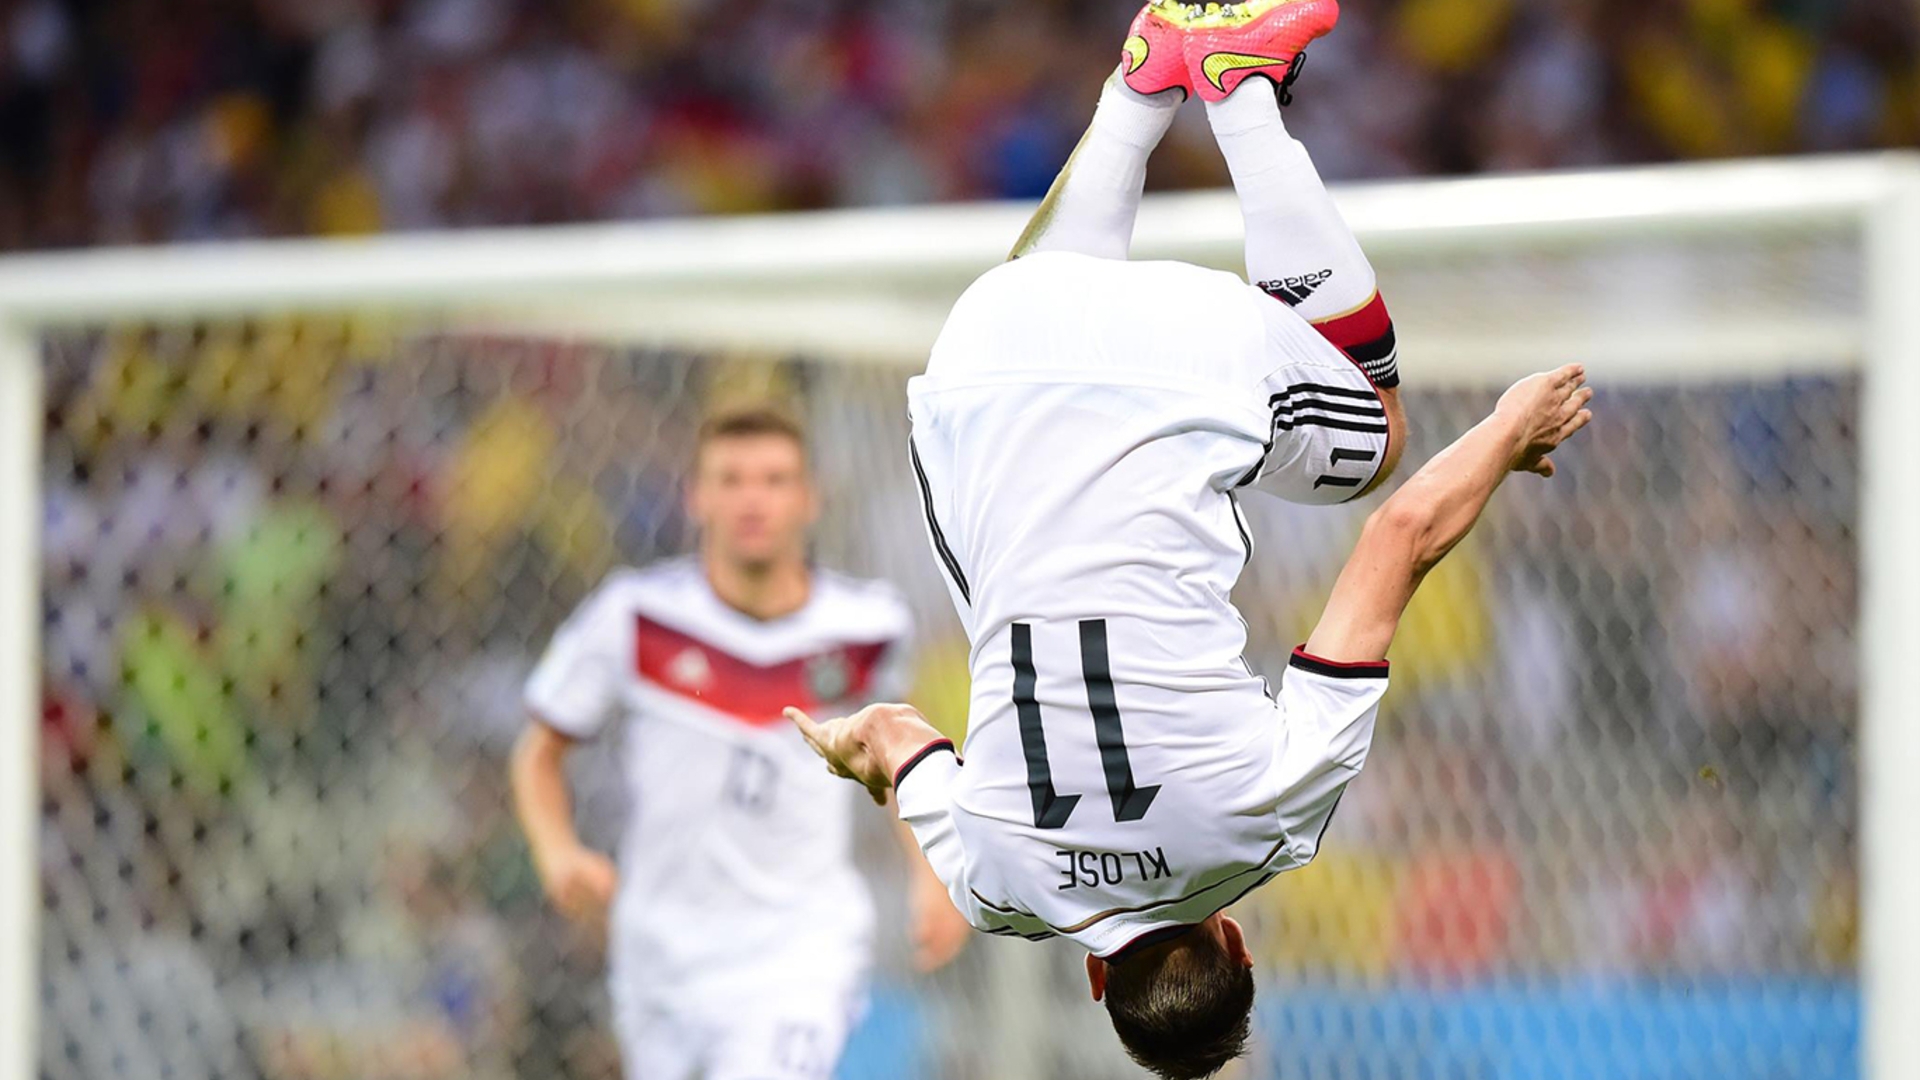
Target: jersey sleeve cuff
x=927 y=801
x=1337 y=669
x=921 y=755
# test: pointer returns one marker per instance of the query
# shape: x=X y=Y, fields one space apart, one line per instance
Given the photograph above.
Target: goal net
x=309 y=512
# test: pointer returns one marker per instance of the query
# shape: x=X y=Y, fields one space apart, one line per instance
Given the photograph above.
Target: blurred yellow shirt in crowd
x=1452 y=36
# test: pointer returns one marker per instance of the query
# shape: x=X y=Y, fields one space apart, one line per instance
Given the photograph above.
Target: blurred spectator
x=153 y=120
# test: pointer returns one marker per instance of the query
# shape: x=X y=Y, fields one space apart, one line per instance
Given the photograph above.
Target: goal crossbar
x=908 y=251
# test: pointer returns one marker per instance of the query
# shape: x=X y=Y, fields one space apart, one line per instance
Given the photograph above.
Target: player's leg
x=1091 y=207
x=798 y=1036
x=1298 y=247
x=656 y=1043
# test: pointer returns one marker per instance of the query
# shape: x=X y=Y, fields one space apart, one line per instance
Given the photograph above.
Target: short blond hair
x=745 y=421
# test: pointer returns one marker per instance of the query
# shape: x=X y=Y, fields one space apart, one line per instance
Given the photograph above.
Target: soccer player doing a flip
x=1081 y=434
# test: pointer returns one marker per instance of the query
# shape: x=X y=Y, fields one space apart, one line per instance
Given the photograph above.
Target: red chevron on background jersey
x=755 y=694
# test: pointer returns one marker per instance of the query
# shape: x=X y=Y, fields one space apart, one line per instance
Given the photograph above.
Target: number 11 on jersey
x=1051 y=809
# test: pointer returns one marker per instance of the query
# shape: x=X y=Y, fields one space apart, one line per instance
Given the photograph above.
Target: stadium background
x=295 y=567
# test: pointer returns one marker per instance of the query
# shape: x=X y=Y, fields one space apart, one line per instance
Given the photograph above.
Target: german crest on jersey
x=691 y=669
x=828 y=677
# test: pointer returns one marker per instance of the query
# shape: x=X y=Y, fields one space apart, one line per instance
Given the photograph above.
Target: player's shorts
x=1223 y=355
x=797 y=1034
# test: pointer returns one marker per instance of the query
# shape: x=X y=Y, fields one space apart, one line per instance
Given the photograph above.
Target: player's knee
x=1397 y=435
x=1185 y=1014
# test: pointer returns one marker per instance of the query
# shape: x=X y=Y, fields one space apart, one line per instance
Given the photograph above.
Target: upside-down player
x=741 y=935
x=1081 y=432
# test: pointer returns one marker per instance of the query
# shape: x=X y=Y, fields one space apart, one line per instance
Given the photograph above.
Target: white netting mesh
x=296 y=569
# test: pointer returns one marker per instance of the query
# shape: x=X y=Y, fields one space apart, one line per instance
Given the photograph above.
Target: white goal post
x=875 y=284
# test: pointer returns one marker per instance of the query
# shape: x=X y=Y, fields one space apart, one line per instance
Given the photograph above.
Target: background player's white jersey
x=1080 y=432
x=736 y=863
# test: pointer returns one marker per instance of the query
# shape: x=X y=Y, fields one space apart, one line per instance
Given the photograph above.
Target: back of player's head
x=1184 y=1012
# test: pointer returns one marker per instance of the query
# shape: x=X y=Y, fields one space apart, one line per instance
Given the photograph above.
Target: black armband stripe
x=1378 y=349
x=921 y=755
x=1337 y=669
x=1374 y=411
x=1329 y=422
x=1323 y=388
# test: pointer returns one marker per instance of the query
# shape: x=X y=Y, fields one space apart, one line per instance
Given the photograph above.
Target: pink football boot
x=1154 y=57
x=1228 y=42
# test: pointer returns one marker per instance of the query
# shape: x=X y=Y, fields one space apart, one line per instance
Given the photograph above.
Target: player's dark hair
x=1182 y=1014
x=741 y=421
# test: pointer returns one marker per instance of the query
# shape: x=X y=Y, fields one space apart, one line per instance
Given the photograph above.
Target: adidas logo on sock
x=1292 y=291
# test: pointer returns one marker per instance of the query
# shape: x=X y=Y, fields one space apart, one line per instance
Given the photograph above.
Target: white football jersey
x=737 y=856
x=1080 y=434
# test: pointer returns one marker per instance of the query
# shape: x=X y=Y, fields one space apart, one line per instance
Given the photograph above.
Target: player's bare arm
x=577 y=879
x=1416 y=528
x=871 y=745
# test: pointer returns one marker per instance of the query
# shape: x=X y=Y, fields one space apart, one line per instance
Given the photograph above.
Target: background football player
x=741 y=931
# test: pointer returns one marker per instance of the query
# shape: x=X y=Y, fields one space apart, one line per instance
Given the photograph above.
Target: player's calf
x=1299 y=249
x=1091 y=205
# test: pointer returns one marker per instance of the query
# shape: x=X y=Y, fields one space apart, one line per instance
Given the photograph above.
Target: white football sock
x=1298 y=247
x=1097 y=194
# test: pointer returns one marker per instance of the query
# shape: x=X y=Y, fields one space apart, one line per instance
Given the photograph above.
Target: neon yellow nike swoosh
x=1217 y=65
x=1136 y=50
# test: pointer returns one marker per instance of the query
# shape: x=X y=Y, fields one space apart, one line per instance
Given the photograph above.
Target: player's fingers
x=810 y=730
x=1575 y=423
x=1564 y=410
x=820 y=740
x=1544 y=467
x=820 y=737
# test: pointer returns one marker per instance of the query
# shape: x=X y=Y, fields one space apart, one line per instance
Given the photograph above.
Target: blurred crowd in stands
x=128 y=121
x=295 y=573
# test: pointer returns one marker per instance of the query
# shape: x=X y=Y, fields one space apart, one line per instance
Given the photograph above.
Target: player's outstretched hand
x=843 y=744
x=869 y=745
x=1545 y=409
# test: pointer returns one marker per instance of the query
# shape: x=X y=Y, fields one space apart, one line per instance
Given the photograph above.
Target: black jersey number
x=1051 y=809
x=752 y=779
